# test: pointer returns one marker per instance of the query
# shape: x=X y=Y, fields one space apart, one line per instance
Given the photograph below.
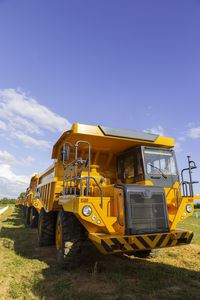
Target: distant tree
x=197 y=205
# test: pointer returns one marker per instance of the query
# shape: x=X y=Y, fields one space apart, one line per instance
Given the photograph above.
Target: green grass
x=30 y=272
x=192 y=223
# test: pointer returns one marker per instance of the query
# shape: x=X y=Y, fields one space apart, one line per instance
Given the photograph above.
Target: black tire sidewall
x=27 y=215
x=34 y=221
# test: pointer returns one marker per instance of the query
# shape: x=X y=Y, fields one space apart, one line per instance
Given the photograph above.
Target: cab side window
x=130 y=167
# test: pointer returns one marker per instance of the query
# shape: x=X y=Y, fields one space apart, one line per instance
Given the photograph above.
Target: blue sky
x=127 y=64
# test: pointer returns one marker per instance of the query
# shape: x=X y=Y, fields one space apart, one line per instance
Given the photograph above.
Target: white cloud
x=12 y=188
x=24 y=124
x=2 y=125
x=28 y=161
x=156 y=130
x=6 y=172
x=16 y=105
x=7 y=158
x=29 y=141
x=194 y=132
x=25 y=117
x=11 y=184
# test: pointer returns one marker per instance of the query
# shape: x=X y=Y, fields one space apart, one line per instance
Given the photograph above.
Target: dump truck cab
x=152 y=167
x=123 y=186
x=149 y=166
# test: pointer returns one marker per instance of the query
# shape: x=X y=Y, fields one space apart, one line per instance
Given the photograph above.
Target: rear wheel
x=24 y=210
x=69 y=240
x=46 y=228
x=33 y=217
x=27 y=215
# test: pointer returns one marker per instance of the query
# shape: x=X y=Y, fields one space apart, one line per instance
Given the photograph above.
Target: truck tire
x=153 y=253
x=24 y=210
x=46 y=228
x=69 y=240
x=33 y=217
x=27 y=215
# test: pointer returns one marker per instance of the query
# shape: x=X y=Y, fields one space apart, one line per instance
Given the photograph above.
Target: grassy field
x=29 y=272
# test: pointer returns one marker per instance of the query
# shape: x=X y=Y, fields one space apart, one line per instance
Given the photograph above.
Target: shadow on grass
x=24 y=237
x=99 y=277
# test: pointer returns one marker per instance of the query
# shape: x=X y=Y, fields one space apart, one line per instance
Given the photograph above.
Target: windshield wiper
x=163 y=174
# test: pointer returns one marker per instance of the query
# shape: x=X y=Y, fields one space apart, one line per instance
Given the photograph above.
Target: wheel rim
x=59 y=237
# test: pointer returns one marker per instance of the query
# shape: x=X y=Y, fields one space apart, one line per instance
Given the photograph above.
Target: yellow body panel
x=50 y=186
x=102 y=220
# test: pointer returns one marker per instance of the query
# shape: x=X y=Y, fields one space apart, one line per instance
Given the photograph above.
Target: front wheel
x=69 y=240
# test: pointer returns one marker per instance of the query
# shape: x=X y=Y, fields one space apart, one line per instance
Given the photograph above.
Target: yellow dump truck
x=32 y=203
x=20 y=202
x=17 y=203
x=119 y=188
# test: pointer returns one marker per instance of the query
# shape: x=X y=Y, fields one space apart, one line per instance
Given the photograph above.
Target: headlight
x=189 y=208
x=87 y=210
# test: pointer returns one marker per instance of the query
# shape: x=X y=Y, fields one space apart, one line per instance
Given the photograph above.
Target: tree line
x=7 y=201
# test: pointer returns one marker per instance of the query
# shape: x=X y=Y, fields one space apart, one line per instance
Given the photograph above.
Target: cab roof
x=102 y=138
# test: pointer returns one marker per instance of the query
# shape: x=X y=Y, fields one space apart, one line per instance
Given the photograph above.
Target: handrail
x=86 y=178
x=101 y=191
x=185 y=185
x=191 y=166
x=69 y=167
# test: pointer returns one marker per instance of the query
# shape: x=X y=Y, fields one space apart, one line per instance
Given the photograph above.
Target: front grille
x=147 y=213
x=145 y=209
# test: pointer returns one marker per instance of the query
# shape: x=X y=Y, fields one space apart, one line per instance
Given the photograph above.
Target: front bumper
x=109 y=244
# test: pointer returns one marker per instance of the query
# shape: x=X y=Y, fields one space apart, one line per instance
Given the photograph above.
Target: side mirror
x=65 y=153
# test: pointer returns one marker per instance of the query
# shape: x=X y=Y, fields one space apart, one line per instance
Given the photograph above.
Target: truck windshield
x=160 y=162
